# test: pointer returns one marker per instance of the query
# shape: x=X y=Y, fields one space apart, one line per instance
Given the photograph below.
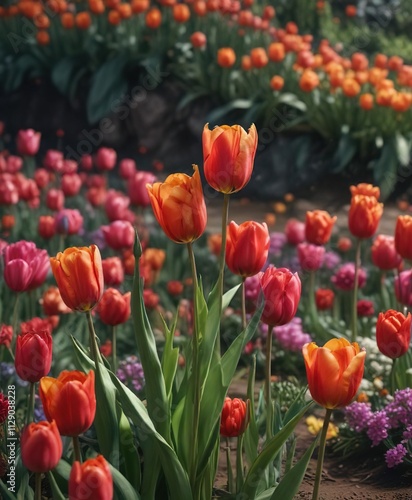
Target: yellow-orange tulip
x=228 y=154
x=79 y=275
x=179 y=206
x=334 y=371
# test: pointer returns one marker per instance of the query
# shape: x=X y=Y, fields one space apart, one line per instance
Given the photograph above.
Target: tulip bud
x=33 y=355
x=234 y=418
x=114 y=308
x=41 y=446
x=281 y=289
x=318 y=227
x=310 y=256
x=91 y=480
x=393 y=333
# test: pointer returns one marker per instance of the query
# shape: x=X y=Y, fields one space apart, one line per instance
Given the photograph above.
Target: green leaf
x=6 y=494
x=385 y=169
x=403 y=150
x=292 y=100
x=107 y=86
x=156 y=394
x=176 y=476
x=170 y=358
x=251 y=435
x=344 y=153
x=130 y=463
x=121 y=486
x=63 y=71
x=218 y=114
x=291 y=481
x=57 y=493
x=270 y=450
x=17 y=71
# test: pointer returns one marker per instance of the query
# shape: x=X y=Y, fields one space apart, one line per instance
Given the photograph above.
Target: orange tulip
x=366 y=101
x=79 y=275
x=179 y=206
x=247 y=247
x=364 y=215
x=229 y=153
x=365 y=189
x=403 y=236
x=318 y=227
x=334 y=371
x=70 y=401
x=226 y=57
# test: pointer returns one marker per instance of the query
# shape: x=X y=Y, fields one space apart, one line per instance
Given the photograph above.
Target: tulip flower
x=403 y=288
x=41 y=446
x=52 y=302
x=127 y=168
x=403 y=236
x=25 y=266
x=53 y=160
x=119 y=235
x=179 y=206
x=28 y=142
x=46 y=226
x=105 y=159
x=114 y=307
x=91 y=480
x=384 y=254
x=364 y=215
x=33 y=355
x=70 y=401
x=281 y=289
x=228 y=155
x=365 y=189
x=113 y=271
x=324 y=298
x=234 y=418
x=68 y=221
x=294 y=232
x=318 y=227
x=136 y=188
x=247 y=247
x=79 y=275
x=4 y=408
x=334 y=371
x=310 y=256
x=393 y=333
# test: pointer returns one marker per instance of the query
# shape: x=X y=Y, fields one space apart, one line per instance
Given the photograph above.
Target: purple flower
x=344 y=278
x=252 y=288
x=331 y=260
x=277 y=242
x=399 y=410
x=394 y=456
x=291 y=336
x=130 y=372
x=378 y=425
x=358 y=415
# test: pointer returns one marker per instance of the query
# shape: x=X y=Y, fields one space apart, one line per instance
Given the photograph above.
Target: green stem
x=243 y=304
x=321 y=454
x=37 y=487
x=30 y=409
x=392 y=378
x=195 y=373
x=225 y=216
x=94 y=348
x=312 y=303
x=15 y=318
x=355 y=292
x=239 y=463
x=76 y=449
x=268 y=385
x=114 y=349
x=229 y=468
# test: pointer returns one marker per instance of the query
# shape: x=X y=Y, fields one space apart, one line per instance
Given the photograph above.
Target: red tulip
x=55 y=199
x=33 y=355
x=393 y=333
x=4 y=408
x=113 y=271
x=403 y=236
x=228 y=156
x=114 y=307
x=46 y=226
x=247 y=247
x=234 y=418
x=91 y=480
x=324 y=298
x=281 y=289
x=384 y=254
x=41 y=446
x=6 y=335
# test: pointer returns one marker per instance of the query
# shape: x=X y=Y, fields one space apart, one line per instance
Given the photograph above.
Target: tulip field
x=126 y=324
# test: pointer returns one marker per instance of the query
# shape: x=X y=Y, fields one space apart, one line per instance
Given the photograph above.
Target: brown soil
x=363 y=477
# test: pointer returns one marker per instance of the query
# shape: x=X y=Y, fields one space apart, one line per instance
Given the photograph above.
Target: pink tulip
x=105 y=159
x=28 y=142
x=69 y=221
x=53 y=160
x=294 y=232
x=25 y=266
x=119 y=235
x=127 y=168
x=310 y=256
x=137 y=190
